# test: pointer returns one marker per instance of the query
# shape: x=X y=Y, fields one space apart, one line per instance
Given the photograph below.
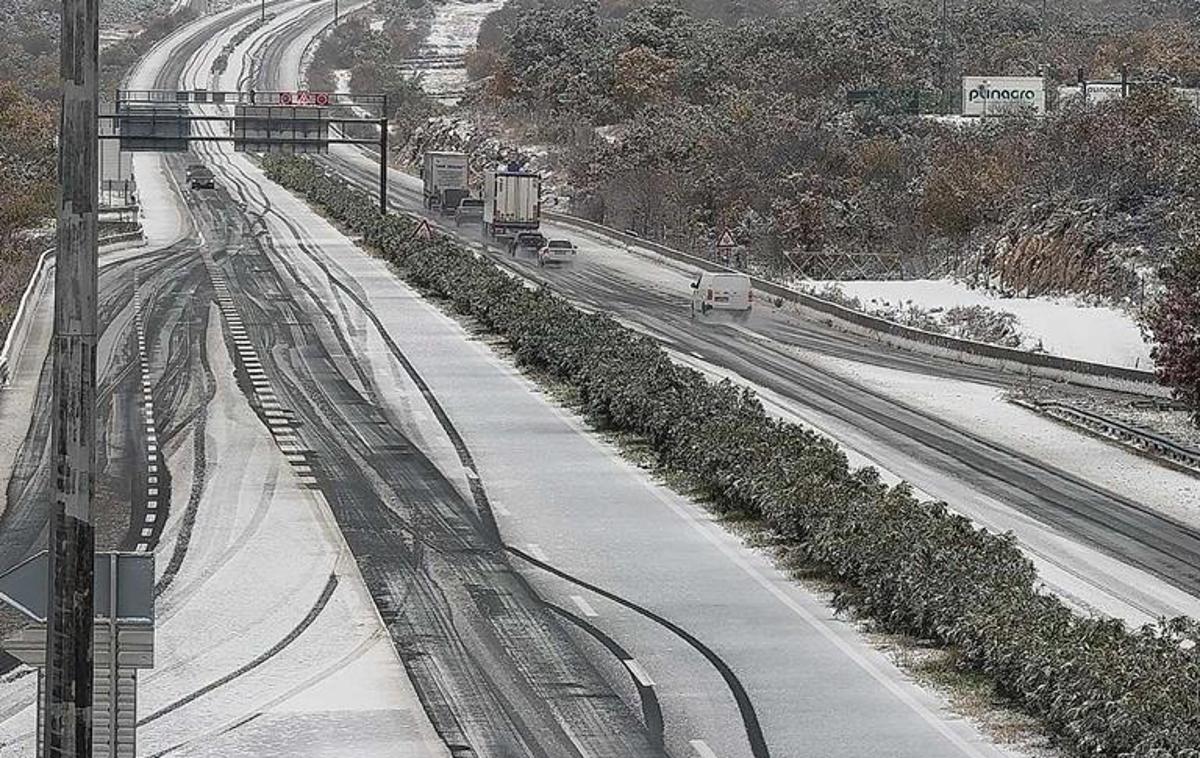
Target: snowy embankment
x=452 y=34
x=1058 y=326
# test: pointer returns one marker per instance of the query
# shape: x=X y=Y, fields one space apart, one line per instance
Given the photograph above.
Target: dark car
x=201 y=178
x=531 y=241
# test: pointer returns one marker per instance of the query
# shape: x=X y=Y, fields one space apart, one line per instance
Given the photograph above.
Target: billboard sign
x=1101 y=91
x=1003 y=96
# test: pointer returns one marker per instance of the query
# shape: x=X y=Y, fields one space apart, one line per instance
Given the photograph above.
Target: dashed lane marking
x=151 y=430
x=584 y=606
x=702 y=749
x=638 y=672
x=278 y=421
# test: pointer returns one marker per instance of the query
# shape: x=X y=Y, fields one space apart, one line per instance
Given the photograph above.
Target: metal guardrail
x=918 y=340
x=1147 y=441
x=19 y=322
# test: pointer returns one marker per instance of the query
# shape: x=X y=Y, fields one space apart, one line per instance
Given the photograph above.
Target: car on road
x=469 y=209
x=722 y=291
x=557 y=252
x=532 y=241
x=200 y=177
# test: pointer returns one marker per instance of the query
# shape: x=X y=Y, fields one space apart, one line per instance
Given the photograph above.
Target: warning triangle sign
x=424 y=231
x=726 y=240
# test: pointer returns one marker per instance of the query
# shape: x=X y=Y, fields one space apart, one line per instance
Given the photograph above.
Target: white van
x=722 y=292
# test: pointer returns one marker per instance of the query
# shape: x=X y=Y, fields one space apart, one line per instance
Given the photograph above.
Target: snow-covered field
x=453 y=32
x=1062 y=327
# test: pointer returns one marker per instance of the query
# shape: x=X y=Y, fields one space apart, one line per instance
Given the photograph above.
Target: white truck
x=447 y=178
x=512 y=202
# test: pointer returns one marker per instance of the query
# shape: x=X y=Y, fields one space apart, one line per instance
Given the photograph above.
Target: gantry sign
x=287 y=122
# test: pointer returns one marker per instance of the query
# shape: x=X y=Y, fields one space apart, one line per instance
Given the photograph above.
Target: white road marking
x=638 y=672
x=702 y=749
x=142 y=547
x=584 y=607
x=151 y=504
x=897 y=689
x=147 y=533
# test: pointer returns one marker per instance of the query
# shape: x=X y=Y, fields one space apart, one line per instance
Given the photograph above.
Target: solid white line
x=826 y=631
x=702 y=749
x=584 y=607
x=638 y=672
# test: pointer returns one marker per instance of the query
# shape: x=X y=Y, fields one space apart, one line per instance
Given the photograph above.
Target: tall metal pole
x=335 y=12
x=67 y=732
x=383 y=166
x=1045 y=38
x=942 y=65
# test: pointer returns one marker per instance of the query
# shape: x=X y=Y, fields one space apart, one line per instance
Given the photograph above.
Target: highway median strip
x=915 y=568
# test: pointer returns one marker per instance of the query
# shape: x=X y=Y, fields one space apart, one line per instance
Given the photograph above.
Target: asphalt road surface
x=544 y=596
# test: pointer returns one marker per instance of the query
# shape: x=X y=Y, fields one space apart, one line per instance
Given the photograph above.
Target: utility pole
x=67 y=732
x=944 y=83
x=1045 y=38
x=335 y=12
x=383 y=164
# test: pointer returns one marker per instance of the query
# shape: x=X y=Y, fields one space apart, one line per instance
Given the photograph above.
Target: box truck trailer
x=511 y=202
x=447 y=179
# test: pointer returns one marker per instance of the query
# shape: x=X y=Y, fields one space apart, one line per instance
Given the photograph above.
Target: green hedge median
x=915 y=568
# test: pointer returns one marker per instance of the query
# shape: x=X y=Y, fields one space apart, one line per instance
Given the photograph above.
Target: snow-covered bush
x=913 y=567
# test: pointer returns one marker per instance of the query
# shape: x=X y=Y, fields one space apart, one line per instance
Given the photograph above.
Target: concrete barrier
x=904 y=337
x=14 y=341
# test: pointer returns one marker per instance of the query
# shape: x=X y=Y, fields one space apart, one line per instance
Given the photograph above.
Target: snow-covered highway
x=378 y=538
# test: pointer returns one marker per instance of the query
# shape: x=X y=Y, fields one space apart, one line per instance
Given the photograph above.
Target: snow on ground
x=1087 y=579
x=554 y=485
x=453 y=32
x=1063 y=327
